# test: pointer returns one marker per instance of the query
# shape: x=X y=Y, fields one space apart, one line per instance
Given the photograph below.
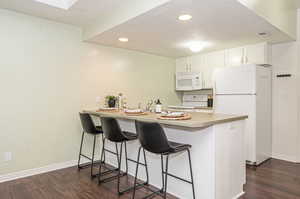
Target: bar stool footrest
x=138 y=186
x=88 y=164
x=178 y=178
x=111 y=178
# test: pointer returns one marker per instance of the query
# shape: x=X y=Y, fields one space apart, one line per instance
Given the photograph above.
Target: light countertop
x=199 y=120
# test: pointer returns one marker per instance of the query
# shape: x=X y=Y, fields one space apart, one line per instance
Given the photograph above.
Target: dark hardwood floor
x=274 y=179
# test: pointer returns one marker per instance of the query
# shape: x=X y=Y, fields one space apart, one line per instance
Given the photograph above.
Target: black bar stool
x=153 y=139
x=113 y=133
x=88 y=127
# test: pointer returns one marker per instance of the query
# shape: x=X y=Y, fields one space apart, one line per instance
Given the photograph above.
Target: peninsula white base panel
x=218 y=160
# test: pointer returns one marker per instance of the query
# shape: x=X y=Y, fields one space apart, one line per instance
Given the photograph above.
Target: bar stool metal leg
x=82 y=137
x=102 y=148
x=101 y=162
x=93 y=156
x=191 y=172
x=146 y=167
x=136 y=173
x=162 y=173
x=119 y=157
x=126 y=158
x=109 y=170
x=166 y=177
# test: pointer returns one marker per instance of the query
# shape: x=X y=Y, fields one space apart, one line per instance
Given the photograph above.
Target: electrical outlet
x=7 y=156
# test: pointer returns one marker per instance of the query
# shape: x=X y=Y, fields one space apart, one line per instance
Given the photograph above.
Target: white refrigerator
x=246 y=90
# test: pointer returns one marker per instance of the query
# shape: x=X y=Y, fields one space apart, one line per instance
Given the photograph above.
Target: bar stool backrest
x=87 y=123
x=152 y=137
x=111 y=129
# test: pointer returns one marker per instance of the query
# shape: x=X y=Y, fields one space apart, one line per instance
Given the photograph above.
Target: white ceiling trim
x=120 y=15
x=63 y=4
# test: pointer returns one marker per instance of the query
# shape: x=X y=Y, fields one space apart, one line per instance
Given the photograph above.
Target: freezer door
x=241 y=105
x=235 y=80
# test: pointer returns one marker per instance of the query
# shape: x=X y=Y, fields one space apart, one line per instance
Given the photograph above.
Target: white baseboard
x=285 y=158
x=36 y=171
x=239 y=195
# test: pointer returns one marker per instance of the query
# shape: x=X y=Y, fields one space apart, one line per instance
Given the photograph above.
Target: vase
x=111 y=103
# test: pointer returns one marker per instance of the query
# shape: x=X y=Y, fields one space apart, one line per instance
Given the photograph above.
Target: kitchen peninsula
x=217 y=153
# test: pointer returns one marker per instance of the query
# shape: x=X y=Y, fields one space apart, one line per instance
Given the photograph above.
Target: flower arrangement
x=111 y=100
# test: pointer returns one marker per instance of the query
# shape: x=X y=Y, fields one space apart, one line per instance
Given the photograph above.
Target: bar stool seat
x=177 y=147
x=129 y=136
x=88 y=127
x=114 y=134
x=153 y=139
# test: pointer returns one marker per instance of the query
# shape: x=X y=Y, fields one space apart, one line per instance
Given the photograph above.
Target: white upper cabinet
x=258 y=54
x=182 y=64
x=196 y=63
x=212 y=61
x=252 y=54
x=234 y=56
x=206 y=63
x=189 y=64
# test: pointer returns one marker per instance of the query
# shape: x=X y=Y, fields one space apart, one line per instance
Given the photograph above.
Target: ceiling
x=222 y=23
x=83 y=13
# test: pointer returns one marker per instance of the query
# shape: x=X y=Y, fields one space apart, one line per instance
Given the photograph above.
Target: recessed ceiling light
x=185 y=17
x=197 y=46
x=123 y=39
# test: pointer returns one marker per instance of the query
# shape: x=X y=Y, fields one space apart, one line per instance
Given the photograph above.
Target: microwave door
x=184 y=84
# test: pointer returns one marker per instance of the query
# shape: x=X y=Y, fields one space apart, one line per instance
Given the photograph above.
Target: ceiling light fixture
x=123 y=39
x=185 y=17
x=197 y=46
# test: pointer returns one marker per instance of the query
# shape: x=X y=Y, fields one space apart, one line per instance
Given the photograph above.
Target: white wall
x=47 y=75
x=285 y=102
x=281 y=13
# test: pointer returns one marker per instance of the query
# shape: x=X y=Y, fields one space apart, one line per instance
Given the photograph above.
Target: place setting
x=135 y=112
x=168 y=115
x=108 y=109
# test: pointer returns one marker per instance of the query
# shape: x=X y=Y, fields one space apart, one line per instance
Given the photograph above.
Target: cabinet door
x=196 y=63
x=234 y=56
x=257 y=53
x=182 y=65
x=212 y=61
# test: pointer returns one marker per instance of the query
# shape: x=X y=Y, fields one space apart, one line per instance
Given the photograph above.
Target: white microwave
x=189 y=81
